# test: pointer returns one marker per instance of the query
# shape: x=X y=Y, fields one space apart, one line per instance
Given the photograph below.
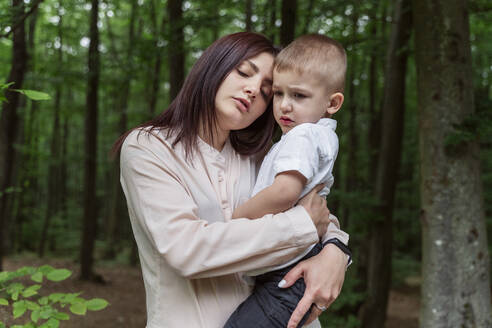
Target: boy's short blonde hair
x=316 y=55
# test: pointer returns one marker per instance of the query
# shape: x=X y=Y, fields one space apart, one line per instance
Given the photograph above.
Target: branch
x=22 y=19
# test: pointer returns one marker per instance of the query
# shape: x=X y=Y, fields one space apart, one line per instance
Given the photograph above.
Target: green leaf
x=58 y=274
x=6 y=85
x=15 y=287
x=96 y=304
x=29 y=325
x=43 y=300
x=30 y=291
x=32 y=306
x=46 y=312
x=56 y=297
x=3 y=301
x=4 y=276
x=37 y=277
x=35 y=315
x=2 y=325
x=33 y=94
x=51 y=323
x=78 y=308
x=45 y=269
x=61 y=316
x=19 y=309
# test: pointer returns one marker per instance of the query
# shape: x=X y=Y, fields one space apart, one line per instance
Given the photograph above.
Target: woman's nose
x=252 y=89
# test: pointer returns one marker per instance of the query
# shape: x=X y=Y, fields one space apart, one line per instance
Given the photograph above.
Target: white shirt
x=191 y=252
x=309 y=148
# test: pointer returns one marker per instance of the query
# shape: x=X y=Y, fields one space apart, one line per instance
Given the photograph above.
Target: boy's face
x=298 y=98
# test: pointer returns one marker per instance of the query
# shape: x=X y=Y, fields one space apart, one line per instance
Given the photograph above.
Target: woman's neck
x=219 y=138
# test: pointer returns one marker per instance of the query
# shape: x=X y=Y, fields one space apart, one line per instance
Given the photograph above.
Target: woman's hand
x=315 y=205
x=324 y=275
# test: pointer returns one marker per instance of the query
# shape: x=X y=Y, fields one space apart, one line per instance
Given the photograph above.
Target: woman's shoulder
x=146 y=140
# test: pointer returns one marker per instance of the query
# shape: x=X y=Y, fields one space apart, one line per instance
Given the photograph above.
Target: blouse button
x=221 y=178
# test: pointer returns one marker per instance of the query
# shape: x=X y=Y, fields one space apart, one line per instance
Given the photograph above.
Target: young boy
x=308 y=81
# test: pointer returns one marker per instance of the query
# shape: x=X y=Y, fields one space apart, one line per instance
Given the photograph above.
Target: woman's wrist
x=343 y=249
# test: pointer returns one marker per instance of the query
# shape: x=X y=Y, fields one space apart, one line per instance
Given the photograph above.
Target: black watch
x=344 y=248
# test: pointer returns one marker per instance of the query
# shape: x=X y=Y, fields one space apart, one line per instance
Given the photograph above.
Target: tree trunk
x=309 y=15
x=9 y=119
x=271 y=31
x=90 y=208
x=156 y=72
x=116 y=202
x=455 y=266
x=176 y=47
x=54 y=179
x=248 y=14
x=373 y=312
x=353 y=137
x=288 y=28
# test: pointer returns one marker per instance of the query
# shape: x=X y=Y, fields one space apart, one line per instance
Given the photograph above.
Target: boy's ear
x=335 y=103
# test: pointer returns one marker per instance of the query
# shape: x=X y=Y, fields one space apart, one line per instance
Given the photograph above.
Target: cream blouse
x=191 y=253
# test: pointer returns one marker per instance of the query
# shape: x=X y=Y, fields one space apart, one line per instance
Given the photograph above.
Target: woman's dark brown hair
x=195 y=103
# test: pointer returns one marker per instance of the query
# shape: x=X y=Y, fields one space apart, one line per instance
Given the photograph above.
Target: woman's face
x=244 y=94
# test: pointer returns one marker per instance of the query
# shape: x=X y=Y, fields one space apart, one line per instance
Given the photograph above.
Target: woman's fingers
x=299 y=312
x=318 y=188
x=315 y=312
x=291 y=277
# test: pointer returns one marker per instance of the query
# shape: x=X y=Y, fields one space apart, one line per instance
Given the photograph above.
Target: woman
x=185 y=171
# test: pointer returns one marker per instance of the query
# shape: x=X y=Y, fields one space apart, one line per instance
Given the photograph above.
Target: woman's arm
x=167 y=216
x=281 y=195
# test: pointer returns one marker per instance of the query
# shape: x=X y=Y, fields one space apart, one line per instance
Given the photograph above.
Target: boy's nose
x=285 y=105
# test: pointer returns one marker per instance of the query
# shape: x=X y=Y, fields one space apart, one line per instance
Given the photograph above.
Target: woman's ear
x=335 y=103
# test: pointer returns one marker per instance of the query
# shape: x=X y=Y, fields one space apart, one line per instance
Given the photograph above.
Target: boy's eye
x=241 y=73
x=277 y=93
x=299 y=95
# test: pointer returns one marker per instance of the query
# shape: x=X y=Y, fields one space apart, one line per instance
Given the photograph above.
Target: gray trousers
x=270 y=306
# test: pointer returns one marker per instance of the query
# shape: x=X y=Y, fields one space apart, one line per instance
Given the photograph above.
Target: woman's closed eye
x=266 y=93
x=242 y=73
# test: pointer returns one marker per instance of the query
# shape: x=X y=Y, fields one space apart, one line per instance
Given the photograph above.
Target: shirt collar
x=328 y=122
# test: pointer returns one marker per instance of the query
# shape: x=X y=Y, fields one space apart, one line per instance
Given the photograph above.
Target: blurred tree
x=288 y=27
x=9 y=117
x=455 y=267
x=116 y=203
x=373 y=312
x=54 y=178
x=248 y=13
x=176 y=46
x=90 y=209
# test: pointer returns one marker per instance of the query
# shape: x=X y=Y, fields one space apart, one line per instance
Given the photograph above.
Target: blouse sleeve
x=166 y=216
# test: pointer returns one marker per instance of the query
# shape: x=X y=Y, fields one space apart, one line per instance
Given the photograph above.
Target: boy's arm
x=280 y=196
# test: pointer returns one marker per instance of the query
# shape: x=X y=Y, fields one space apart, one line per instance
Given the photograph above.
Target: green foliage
x=41 y=310
x=31 y=94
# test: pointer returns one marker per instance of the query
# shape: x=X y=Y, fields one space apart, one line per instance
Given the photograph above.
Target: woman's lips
x=242 y=104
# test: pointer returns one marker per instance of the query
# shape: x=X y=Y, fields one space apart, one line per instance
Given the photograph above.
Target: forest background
x=412 y=180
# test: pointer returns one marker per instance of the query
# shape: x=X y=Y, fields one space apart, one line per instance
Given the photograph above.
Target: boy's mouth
x=284 y=120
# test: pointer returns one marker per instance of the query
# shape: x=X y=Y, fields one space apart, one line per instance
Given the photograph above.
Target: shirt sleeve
x=302 y=151
x=165 y=215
